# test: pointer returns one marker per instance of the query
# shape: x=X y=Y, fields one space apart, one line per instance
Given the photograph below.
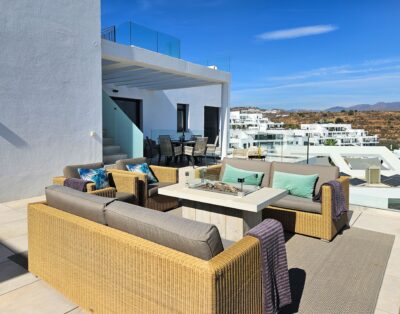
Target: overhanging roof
x=132 y=66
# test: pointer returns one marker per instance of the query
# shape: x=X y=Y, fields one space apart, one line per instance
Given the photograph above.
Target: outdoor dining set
x=196 y=149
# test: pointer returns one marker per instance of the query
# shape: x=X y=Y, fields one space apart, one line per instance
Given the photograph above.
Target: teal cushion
x=232 y=174
x=145 y=169
x=295 y=184
x=98 y=176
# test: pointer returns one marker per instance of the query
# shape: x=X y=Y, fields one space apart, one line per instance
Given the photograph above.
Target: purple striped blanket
x=338 y=198
x=76 y=184
x=274 y=267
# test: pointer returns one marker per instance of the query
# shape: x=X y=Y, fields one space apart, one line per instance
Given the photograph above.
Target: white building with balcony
x=342 y=134
x=252 y=129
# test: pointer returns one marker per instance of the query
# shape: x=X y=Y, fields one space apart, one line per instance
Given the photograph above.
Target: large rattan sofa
x=298 y=215
x=113 y=257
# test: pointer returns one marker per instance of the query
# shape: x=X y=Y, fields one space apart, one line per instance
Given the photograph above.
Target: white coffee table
x=233 y=215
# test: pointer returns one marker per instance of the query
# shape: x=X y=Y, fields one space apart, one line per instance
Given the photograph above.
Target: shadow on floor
x=297 y=279
x=21 y=259
x=9 y=268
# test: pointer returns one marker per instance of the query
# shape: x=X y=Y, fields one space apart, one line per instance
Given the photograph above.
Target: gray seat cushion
x=121 y=164
x=250 y=165
x=152 y=189
x=82 y=204
x=71 y=171
x=299 y=203
x=325 y=173
x=191 y=237
x=125 y=197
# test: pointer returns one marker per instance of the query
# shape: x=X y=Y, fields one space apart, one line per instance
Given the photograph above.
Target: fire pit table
x=231 y=212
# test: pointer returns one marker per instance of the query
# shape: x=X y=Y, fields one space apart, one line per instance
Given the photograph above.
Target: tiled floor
x=21 y=292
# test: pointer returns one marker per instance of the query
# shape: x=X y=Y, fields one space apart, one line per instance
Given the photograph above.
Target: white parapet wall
x=50 y=95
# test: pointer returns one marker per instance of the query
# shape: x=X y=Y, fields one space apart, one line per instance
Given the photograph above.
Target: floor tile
x=13 y=276
x=354 y=215
x=10 y=215
x=18 y=244
x=4 y=208
x=13 y=229
x=380 y=221
x=389 y=296
x=377 y=311
x=393 y=267
x=78 y=310
x=24 y=202
x=35 y=298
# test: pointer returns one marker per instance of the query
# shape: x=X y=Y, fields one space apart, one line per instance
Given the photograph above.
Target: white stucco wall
x=50 y=91
x=159 y=107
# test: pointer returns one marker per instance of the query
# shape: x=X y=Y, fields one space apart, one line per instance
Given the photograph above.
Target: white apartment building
x=343 y=134
x=251 y=129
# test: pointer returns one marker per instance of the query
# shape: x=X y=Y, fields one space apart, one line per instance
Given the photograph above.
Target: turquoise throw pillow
x=97 y=176
x=145 y=169
x=232 y=174
x=295 y=184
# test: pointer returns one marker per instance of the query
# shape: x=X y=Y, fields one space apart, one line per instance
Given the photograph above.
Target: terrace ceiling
x=137 y=67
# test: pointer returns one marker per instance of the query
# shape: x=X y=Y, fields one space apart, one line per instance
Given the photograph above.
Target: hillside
x=384 y=124
x=380 y=106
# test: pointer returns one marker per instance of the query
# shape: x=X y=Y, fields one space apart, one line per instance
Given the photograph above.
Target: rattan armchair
x=148 y=193
x=122 y=186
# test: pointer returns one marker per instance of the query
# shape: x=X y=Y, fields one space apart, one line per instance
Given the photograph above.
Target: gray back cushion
x=71 y=171
x=82 y=204
x=191 y=237
x=250 y=165
x=121 y=164
x=325 y=173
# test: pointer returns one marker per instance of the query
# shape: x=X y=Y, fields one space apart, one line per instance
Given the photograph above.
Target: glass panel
x=143 y=37
x=130 y=33
x=175 y=135
x=123 y=33
x=169 y=45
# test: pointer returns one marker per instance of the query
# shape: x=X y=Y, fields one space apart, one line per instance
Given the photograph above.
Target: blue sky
x=310 y=54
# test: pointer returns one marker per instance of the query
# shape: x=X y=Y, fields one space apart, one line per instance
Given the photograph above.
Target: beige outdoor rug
x=343 y=276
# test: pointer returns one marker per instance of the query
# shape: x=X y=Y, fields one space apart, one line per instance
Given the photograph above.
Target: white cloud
x=297 y=32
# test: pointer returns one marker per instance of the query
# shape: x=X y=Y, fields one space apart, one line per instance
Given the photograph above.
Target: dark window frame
x=182 y=110
x=139 y=109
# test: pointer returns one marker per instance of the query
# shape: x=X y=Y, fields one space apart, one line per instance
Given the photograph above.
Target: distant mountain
x=380 y=106
x=303 y=110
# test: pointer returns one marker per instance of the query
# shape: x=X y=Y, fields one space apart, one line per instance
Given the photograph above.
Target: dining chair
x=151 y=149
x=197 y=151
x=167 y=149
x=212 y=148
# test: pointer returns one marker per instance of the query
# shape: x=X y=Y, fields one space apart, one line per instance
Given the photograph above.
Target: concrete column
x=224 y=114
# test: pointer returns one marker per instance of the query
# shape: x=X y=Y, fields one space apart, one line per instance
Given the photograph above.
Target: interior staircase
x=111 y=152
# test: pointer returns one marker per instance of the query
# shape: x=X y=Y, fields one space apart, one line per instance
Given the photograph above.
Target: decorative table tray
x=223 y=188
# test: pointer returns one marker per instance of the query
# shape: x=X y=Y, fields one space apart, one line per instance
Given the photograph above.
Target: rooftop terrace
x=22 y=292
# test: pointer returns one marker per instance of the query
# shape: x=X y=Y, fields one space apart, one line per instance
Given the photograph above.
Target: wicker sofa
x=122 y=186
x=298 y=215
x=148 y=193
x=76 y=247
